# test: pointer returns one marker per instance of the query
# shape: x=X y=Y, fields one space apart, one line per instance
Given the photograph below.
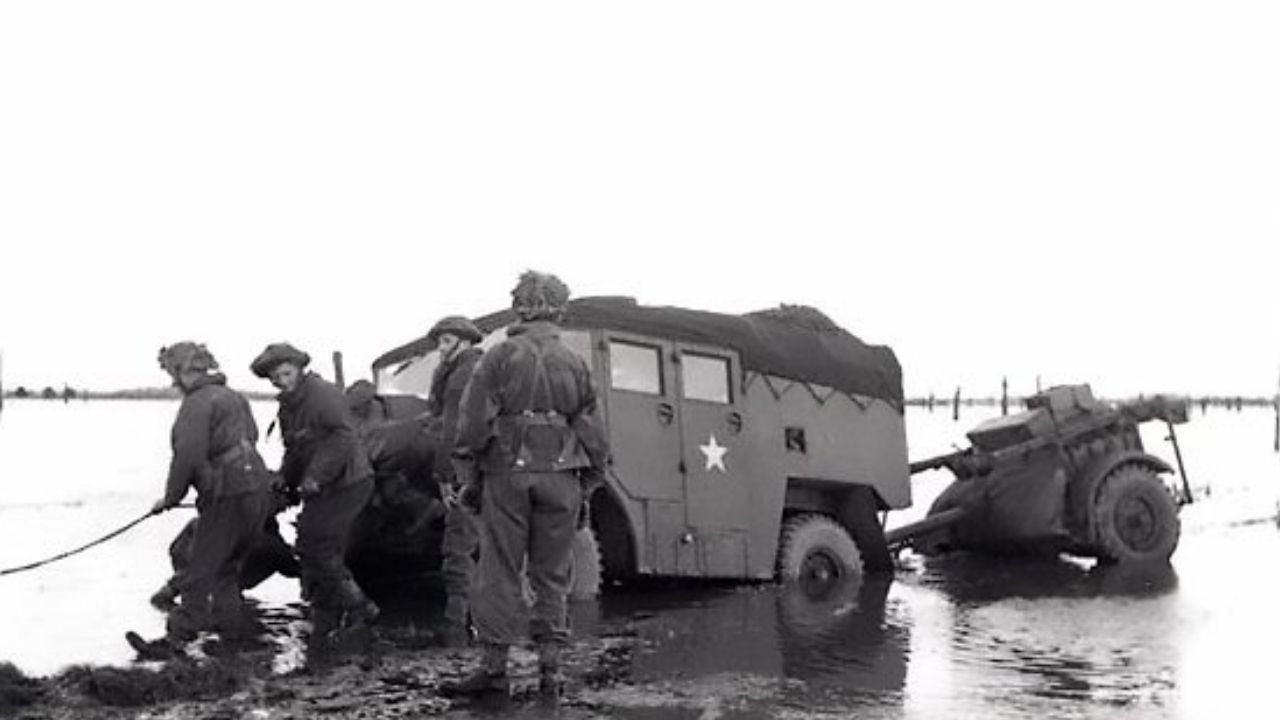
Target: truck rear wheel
x=815 y=552
x=1134 y=517
x=584 y=568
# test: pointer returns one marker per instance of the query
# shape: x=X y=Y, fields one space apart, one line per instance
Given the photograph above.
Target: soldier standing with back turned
x=530 y=435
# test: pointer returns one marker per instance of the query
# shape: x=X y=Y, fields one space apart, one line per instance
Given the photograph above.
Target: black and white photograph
x=700 y=360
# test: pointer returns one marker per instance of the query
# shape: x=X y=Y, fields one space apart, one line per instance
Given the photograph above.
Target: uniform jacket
x=320 y=439
x=508 y=401
x=213 y=441
x=447 y=385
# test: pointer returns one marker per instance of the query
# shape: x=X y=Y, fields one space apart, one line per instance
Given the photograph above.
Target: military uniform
x=528 y=417
x=321 y=445
x=213 y=441
x=461 y=540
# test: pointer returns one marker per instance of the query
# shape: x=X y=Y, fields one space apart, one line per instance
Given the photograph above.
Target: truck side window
x=706 y=378
x=635 y=367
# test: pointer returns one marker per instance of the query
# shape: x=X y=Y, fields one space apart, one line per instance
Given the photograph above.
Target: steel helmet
x=539 y=296
x=455 y=325
x=186 y=355
x=274 y=355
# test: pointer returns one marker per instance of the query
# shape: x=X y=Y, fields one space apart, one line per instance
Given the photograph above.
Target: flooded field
x=953 y=637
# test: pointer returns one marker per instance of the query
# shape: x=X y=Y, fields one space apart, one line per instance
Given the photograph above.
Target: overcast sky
x=1082 y=191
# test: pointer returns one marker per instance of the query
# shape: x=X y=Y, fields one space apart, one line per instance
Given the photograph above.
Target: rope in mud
x=77 y=551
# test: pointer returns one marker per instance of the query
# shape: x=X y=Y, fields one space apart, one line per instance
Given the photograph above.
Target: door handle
x=666 y=413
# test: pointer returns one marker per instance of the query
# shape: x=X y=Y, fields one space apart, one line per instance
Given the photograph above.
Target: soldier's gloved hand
x=160 y=506
x=308 y=487
x=469 y=497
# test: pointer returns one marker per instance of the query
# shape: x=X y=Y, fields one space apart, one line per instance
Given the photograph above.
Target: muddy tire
x=1135 y=518
x=815 y=552
x=584 y=570
x=585 y=567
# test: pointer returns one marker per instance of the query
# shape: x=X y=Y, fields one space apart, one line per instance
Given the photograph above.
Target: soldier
x=213 y=442
x=268 y=554
x=326 y=464
x=528 y=435
x=406 y=498
x=455 y=338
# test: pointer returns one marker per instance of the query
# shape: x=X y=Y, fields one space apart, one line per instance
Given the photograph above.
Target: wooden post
x=955 y=405
x=1275 y=403
x=337 y=370
x=1004 y=395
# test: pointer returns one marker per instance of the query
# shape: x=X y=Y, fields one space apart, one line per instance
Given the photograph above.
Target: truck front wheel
x=1135 y=517
x=816 y=552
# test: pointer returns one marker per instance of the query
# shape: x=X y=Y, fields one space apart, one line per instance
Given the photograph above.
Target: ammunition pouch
x=540 y=441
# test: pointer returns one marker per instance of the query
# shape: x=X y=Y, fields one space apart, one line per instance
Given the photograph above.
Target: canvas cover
x=794 y=342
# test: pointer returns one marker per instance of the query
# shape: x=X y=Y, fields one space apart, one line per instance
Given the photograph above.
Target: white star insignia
x=715 y=454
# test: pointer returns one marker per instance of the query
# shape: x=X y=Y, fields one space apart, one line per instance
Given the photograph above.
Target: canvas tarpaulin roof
x=793 y=342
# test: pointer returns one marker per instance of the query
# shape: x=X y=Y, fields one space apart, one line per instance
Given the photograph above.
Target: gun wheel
x=816 y=553
x=1135 y=517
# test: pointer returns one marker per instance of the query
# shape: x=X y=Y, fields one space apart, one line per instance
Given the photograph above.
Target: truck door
x=643 y=424
x=717 y=496
x=644 y=436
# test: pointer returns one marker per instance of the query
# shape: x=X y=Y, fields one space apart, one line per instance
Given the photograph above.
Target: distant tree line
x=68 y=393
x=1226 y=402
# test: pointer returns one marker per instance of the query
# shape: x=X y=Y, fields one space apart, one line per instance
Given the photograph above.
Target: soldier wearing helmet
x=529 y=429
x=455 y=338
x=213 y=439
x=326 y=463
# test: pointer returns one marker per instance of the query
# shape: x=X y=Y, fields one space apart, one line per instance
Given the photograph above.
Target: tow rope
x=82 y=548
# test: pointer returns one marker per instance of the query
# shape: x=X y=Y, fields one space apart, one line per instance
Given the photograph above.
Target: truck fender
x=616 y=532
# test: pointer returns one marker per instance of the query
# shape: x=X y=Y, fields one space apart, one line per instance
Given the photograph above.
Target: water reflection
x=1034 y=633
x=975 y=579
x=841 y=647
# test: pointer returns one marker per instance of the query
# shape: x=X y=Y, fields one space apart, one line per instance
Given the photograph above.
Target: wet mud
x=671 y=651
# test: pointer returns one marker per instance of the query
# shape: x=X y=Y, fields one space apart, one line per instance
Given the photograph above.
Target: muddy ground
x=395 y=676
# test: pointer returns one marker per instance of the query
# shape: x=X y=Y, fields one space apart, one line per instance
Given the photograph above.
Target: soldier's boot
x=488 y=680
x=324 y=620
x=550 y=680
x=455 y=632
x=160 y=649
x=166 y=598
x=359 y=611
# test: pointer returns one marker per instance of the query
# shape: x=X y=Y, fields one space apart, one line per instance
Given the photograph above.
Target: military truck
x=1070 y=474
x=744 y=446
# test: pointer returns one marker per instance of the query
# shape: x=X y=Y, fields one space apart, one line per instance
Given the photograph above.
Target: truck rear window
x=635 y=367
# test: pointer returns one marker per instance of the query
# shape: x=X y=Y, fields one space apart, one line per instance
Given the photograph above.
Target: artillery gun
x=1069 y=474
